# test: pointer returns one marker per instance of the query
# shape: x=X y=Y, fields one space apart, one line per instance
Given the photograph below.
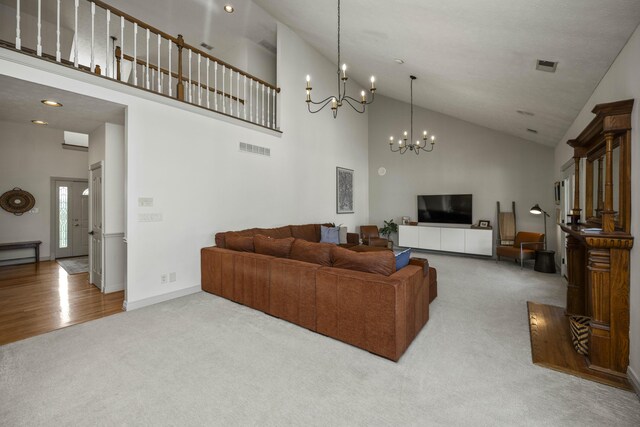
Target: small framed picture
x=483 y=223
x=405 y=220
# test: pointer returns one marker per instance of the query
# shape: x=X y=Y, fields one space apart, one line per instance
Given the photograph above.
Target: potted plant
x=389 y=228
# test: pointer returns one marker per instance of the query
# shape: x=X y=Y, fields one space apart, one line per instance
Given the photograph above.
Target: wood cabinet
x=598 y=248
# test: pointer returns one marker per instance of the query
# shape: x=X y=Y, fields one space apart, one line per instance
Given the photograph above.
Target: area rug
x=75 y=265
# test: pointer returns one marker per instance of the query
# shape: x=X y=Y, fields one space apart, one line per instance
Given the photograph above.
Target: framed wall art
x=344 y=190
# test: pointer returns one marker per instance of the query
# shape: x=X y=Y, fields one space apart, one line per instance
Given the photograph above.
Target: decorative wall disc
x=17 y=201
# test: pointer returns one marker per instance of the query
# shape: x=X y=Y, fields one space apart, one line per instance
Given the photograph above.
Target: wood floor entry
x=39 y=298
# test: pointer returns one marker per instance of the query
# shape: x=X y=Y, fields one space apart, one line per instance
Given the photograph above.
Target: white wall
x=29 y=156
x=620 y=82
x=189 y=162
x=467 y=158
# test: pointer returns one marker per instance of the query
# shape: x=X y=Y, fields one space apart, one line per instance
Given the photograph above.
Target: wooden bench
x=23 y=245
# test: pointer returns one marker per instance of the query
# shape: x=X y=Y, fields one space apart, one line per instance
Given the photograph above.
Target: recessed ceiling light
x=51 y=103
x=39 y=122
x=525 y=113
x=399 y=61
x=228 y=8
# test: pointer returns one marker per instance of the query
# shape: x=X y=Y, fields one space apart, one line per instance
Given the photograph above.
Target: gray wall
x=467 y=158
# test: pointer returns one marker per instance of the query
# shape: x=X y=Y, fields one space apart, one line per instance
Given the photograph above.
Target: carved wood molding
x=609 y=242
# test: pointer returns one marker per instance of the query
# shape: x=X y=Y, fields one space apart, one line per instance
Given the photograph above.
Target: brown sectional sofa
x=378 y=313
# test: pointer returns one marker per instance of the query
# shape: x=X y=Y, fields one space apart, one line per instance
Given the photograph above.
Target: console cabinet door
x=430 y=238
x=452 y=239
x=479 y=242
x=409 y=236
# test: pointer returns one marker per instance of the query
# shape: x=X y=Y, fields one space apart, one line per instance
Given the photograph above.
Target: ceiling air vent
x=548 y=66
x=532 y=131
x=271 y=48
x=255 y=149
x=206 y=46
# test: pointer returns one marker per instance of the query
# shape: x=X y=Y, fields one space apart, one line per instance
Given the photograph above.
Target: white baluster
x=153 y=78
x=18 y=40
x=147 y=70
x=170 y=88
x=251 y=100
x=58 y=54
x=215 y=85
x=159 y=88
x=244 y=95
x=121 y=47
x=238 y=95
x=190 y=87
x=208 y=87
x=107 y=53
x=39 y=44
x=263 y=105
x=135 y=54
x=273 y=110
x=75 y=35
x=257 y=102
x=268 y=111
x=199 y=79
x=224 y=102
x=93 y=19
x=231 y=91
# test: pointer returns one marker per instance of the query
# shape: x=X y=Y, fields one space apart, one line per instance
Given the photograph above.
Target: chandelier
x=342 y=97
x=404 y=144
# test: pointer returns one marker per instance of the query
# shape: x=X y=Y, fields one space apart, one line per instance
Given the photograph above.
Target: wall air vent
x=532 y=131
x=548 y=66
x=271 y=48
x=206 y=46
x=255 y=149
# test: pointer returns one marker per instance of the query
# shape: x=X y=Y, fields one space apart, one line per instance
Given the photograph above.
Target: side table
x=545 y=261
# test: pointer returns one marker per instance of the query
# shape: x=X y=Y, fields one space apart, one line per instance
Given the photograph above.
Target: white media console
x=442 y=238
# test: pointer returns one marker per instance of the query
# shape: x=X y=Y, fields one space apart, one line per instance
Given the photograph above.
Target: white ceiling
x=20 y=103
x=475 y=60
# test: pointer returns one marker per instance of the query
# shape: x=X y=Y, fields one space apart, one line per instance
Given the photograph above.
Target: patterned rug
x=75 y=265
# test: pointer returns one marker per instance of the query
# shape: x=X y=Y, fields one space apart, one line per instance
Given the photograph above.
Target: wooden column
x=180 y=85
x=600 y=200
x=575 y=213
x=608 y=214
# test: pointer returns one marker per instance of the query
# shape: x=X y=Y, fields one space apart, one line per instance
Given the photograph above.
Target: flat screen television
x=446 y=208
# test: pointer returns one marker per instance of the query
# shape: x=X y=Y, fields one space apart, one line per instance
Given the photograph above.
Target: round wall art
x=17 y=201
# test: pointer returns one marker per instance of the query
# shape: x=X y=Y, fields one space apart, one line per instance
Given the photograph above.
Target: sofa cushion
x=307 y=232
x=239 y=243
x=380 y=262
x=402 y=258
x=274 y=247
x=276 y=233
x=316 y=253
x=329 y=235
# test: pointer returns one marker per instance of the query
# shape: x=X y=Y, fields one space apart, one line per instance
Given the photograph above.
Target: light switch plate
x=145 y=202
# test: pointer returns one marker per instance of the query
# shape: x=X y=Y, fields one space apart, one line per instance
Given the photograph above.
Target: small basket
x=579 y=326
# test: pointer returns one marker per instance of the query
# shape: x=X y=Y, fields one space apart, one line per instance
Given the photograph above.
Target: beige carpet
x=202 y=360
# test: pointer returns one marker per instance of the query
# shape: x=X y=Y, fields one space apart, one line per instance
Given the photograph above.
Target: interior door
x=95 y=255
x=80 y=218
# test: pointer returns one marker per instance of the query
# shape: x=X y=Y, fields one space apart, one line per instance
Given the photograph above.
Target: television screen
x=445 y=209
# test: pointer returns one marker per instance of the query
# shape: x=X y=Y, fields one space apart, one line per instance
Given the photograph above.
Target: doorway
x=97 y=214
x=70 y=217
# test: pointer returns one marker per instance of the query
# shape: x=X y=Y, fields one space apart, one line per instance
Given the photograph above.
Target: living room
x=187 y=160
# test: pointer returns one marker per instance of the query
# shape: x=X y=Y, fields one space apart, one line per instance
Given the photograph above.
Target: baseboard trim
x=20 y=261
x=634 y=380
x=133 y=305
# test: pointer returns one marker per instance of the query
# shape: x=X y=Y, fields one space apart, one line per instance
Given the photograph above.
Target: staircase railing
x=114 y=44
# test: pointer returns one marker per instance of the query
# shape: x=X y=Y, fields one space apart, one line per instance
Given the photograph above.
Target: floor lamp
x=537 y=210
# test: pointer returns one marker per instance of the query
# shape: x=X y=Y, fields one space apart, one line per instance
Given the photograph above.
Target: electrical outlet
x=172 y=277
x=163 y=279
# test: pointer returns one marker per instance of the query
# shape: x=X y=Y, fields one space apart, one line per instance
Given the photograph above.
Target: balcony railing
x=113 y=44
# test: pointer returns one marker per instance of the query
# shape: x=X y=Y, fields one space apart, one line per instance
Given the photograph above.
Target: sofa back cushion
x=379 y=262
x=316 y=253
x=275 y=247
x=276 y=233
x=308 y=232
x=239 y=243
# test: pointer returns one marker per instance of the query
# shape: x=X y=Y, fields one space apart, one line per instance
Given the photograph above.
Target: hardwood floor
x=551 y=346
x=39 y=298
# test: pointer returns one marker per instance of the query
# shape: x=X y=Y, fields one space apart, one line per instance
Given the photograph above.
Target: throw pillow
x=402 y=258
x=240 y=243
x=343 y=235
x=380 y=262
x=316 y=253
x=329 y=235
x=275 y=247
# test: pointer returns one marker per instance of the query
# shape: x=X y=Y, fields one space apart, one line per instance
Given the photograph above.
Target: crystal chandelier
x=404 y=144
x=342 y=97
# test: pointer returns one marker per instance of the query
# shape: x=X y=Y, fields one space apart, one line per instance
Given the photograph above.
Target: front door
x=95 y=256
x=70 y=218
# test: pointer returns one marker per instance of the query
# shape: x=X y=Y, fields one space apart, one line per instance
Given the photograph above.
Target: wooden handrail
x=180 y=42
x=165 y=71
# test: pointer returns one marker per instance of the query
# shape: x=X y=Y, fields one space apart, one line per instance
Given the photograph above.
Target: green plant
x=389 y=227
